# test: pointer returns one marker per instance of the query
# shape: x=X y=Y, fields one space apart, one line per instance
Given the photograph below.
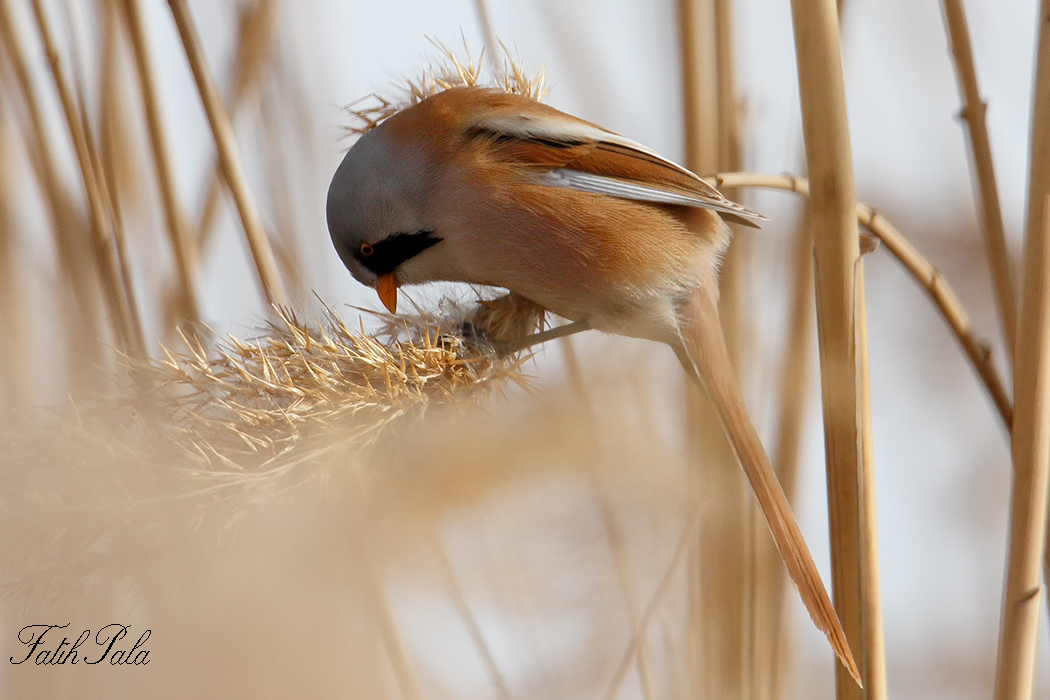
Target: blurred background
x=507 y=549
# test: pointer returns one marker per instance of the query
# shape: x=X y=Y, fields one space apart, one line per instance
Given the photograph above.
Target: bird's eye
x=367 y=250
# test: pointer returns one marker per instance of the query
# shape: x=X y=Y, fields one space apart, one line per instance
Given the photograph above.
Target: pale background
x=942 y=460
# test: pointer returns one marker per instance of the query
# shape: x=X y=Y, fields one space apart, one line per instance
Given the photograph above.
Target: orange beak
x=387 y=288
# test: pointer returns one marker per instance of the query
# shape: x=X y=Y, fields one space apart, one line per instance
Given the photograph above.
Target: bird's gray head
x=376 y=207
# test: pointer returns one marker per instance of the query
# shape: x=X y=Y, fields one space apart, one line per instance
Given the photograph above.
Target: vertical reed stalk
x=731 y=282
x=491 y=42
x=769 y=632
x=718 y=578
x=107 y=191
x=459 y=599
x=254 y=45
x=116 y=141
x=613 y=532
x=699 y=84
x=973 y=113
x=183 y=244
x=871 y=589
x=115 y=289
x=1015 y=671
x=14 y=372
x=283 y=195
x=833 y=216
x=81 y=317
x=229 y=156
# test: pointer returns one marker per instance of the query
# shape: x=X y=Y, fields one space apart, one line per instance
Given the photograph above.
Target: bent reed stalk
x=926 y=274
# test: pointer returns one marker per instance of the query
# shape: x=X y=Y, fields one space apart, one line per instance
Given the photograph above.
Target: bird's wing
x=573 y=153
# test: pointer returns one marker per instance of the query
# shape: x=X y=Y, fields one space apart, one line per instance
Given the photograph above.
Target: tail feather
x=704 y=355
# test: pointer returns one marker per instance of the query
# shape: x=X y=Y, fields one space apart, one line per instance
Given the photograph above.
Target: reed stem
x=925 y=274
x=183 y=244
x=718 y=576
x=1030 y=435
x=973 y=113
x=229 y=156
x=833 y=216
x=115 y=288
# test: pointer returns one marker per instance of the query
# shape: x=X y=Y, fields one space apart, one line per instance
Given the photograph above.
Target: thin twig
x=229 y=156
x=928 y=277
x=973 y=113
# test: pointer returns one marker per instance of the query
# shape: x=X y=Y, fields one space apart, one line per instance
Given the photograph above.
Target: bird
x=480 y=185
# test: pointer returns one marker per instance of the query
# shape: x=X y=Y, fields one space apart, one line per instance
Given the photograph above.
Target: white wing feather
x=629 y=189
x=534 y=127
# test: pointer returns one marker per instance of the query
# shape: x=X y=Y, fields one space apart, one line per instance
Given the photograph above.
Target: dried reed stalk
x=973 y=113
x=111 y=199
x=183 y=243
x=107 y=187
x=659 y=596
x=135 y=341
x=718 y=591
x=1030 y=435
x=833 y=216
x=699 y=83
x=282 y=193
x=14 y=379
x=769 y=627
x=731 y=282
x=254 y=43
x=116 y=140
x=871 y=591
x=459 y=599
x=229 y=156
x=485 y=20
x=925 y=274
x=116 y=290
x=81 y=318
x=371 y=591
x=613 y=532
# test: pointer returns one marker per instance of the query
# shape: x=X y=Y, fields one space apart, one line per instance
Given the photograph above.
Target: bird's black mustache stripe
x=385 y=256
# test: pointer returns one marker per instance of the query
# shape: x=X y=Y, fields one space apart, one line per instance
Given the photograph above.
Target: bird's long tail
x=704 y=355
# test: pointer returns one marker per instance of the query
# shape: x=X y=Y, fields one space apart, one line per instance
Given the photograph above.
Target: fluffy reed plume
x=250 y=405
x=231 y=422
x=448 y=71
